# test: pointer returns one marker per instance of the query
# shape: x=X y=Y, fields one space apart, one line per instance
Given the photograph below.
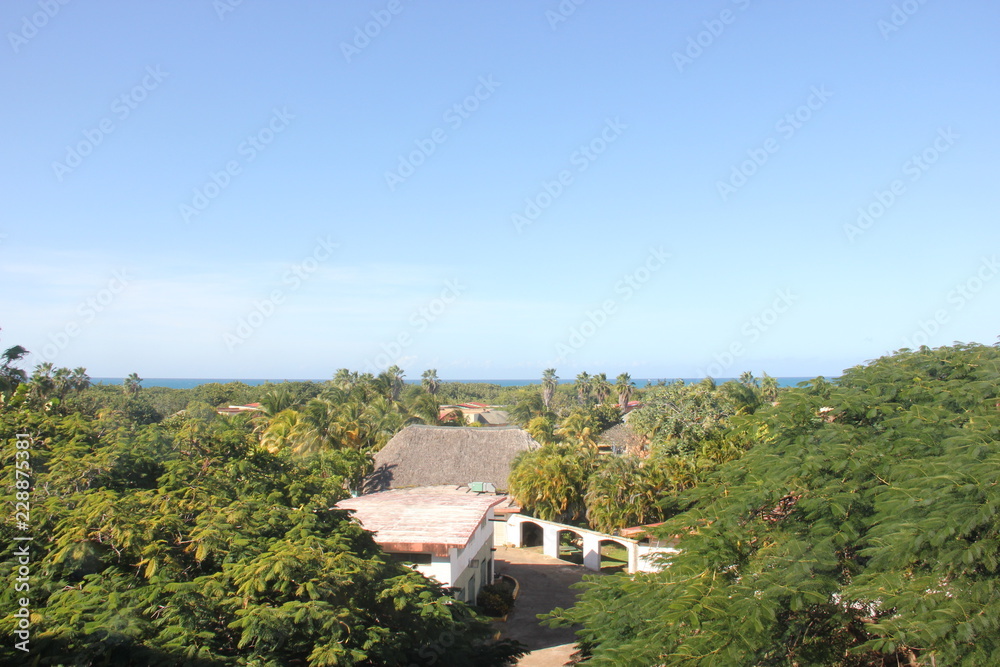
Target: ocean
x=188 y=383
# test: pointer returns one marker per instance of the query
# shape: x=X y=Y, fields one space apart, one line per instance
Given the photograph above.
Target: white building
x=444 y=532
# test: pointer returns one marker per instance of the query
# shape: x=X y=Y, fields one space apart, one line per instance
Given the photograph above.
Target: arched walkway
x=591 y=540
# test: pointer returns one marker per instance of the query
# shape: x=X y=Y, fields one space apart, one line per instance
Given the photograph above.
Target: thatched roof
x=621 y=439
x=423 y=455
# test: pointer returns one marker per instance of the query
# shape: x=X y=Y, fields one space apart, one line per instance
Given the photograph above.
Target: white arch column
x=550 y=541
x=515 y=531
x=592 y=552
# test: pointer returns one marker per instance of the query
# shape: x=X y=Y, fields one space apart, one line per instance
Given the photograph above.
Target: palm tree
x=10 y=377
x=549 y=482
x=42 y=382
x=132 y=384
x=549 y=382
x=624 y=386
x=541 y=430
x=290 y=429
x=79 y=379
x=430 y=381
x=528 y=408
x=602 y=388
x=583 y=387
x=345 y=378
x=579 y=428
x=391 y=381
x=423 y=408
x=277 y=400
x=61 y=382
x=769 y=388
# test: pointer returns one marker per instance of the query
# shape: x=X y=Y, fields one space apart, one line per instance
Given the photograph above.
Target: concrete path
x=545 y=585
x=557 y=656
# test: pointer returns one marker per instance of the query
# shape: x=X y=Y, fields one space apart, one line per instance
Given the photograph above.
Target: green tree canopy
x=862 y=530
x=187 y=542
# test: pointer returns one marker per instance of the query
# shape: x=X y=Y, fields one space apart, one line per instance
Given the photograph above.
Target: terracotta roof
x=428 y=519
x=638 y=530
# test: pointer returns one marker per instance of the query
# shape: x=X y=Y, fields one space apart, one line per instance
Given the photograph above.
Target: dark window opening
x=412 y=558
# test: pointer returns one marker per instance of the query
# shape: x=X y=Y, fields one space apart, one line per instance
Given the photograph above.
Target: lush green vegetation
x=162 y=537
x=684 y=432
x=847 y=523
x=859 y=528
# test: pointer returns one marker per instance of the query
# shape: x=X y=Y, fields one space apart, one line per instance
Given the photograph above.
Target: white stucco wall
x=439 y=569
x=649 y=555
x=455 y=571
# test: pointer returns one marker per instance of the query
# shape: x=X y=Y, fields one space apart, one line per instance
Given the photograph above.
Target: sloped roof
x=495 y=417
x=621 y=436
x=422 y=455
x=428 y=519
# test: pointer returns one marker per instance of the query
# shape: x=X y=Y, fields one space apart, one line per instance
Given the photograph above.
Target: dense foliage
x=862 y=530
x=184 y=540
x=687 y=429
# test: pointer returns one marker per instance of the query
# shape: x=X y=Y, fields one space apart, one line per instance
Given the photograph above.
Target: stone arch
x=532 y=534
x=605 y=556
x=570 y=544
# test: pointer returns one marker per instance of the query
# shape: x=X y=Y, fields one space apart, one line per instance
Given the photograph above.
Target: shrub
x=496 y=599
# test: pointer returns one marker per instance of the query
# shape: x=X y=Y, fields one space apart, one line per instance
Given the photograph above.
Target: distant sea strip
x=188 y=383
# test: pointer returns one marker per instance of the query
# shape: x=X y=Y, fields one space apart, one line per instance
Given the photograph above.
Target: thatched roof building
x=621 y=439
x=423 y=455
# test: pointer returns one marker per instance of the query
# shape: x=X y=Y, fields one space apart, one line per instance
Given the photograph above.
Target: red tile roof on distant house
x=638 y=530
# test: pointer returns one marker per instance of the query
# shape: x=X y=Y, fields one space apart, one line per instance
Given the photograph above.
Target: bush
x=496 y=599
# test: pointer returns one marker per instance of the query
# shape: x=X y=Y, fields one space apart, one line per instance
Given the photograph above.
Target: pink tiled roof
x=430 y=518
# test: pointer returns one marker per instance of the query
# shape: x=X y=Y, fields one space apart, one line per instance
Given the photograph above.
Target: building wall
x=500 y=531
x=455 y=570
x=439 y=569
x=480 y=548
x=648 y=557
x=471 y=579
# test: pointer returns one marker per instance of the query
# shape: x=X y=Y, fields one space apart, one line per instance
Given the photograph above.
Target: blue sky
x=260 y=189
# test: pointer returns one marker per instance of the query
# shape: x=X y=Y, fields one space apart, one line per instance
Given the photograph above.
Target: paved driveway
x=545 y=585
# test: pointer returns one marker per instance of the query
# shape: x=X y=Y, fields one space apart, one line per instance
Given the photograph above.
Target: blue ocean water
x=188 y=383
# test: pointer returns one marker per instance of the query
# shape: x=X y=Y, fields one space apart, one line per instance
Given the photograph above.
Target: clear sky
x=669 y=189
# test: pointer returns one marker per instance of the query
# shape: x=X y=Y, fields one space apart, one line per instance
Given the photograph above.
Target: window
x=411 y=558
